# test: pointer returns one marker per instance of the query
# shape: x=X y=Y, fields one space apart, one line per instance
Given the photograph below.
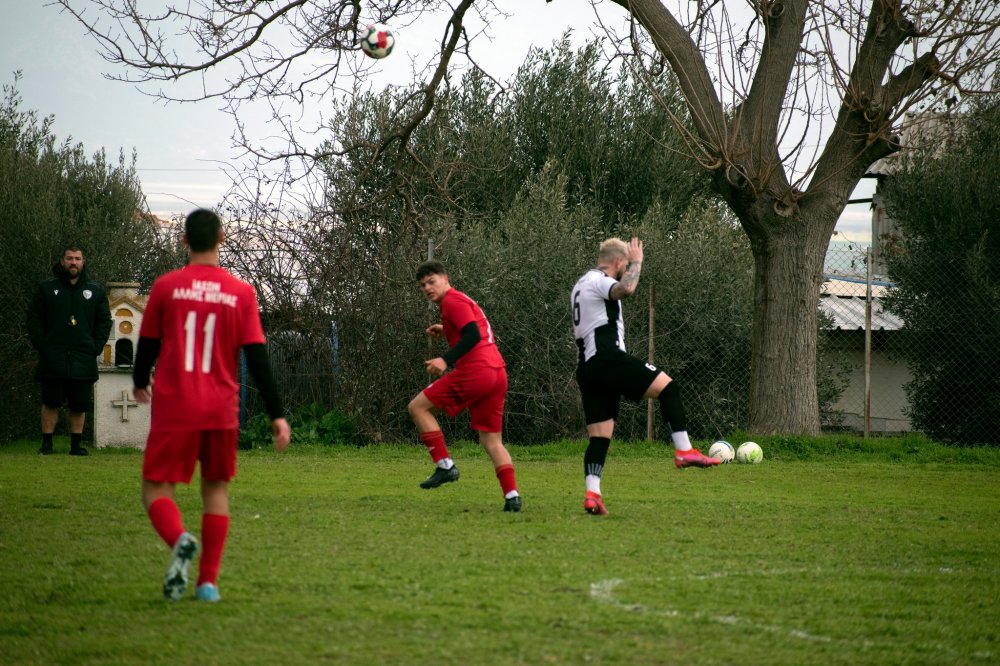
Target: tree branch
x=687 y=62
x=758 y=116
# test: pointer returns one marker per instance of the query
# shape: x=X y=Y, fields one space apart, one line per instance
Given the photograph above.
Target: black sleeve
x=470 y=336
x=259 y=366
x=145 y=356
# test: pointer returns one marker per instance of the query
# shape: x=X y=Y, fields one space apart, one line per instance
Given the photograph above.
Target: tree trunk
x=788 y=265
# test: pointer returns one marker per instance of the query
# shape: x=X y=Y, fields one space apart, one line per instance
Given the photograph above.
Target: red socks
x=214 y=528
x=166 y=519
x=434 y=441
x=505 y=474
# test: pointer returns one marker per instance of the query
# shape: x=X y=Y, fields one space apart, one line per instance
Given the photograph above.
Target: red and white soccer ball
x=377 y=41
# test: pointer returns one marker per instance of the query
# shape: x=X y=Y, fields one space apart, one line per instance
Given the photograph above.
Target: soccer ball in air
x=377 y=41
x=749 y=452
x=722 y=450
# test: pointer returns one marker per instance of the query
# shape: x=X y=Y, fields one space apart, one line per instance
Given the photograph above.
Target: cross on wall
x=124 y=404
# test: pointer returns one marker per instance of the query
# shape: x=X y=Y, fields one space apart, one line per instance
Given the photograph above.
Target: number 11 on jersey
x=190 y=330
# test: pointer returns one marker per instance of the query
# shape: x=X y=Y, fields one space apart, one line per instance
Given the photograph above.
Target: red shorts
x=480 y=389
x=171 y=455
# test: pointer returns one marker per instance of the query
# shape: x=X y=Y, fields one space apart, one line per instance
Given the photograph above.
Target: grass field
x=880 y=553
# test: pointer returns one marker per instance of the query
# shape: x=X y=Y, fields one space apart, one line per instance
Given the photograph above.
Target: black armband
x=259 y=366
x=146 y=353
x=470 y=337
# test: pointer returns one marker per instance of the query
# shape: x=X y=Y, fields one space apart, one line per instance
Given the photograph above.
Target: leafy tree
x=517 y=198
x=52 y=194
x=790 y=102
x=947 y=269
x=522 y=270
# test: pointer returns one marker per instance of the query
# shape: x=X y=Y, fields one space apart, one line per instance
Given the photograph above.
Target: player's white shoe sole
x=176 y=580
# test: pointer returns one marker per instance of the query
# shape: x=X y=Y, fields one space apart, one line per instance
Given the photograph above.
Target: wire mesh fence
x=865 y=337
x=368 y=362
x=915 y=361
x=866 y=378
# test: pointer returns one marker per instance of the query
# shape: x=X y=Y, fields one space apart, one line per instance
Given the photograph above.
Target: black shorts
x=608 y=376
x=75 y=393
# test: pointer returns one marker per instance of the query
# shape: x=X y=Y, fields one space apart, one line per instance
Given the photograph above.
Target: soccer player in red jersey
x=197 y=320
x=477 y=382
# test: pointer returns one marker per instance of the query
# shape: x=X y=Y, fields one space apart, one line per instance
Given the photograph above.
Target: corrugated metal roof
x=848 y=314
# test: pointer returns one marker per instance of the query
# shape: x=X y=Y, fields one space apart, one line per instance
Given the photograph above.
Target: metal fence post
x=650 y=408
x=868 y=342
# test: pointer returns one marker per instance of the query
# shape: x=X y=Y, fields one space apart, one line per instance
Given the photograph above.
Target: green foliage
x=610 y=134
x=851 y=560
x=516 y=187
x=52 y=194
x=312 y=424
x=520 y=270
x=948 y=275
x=912 y=448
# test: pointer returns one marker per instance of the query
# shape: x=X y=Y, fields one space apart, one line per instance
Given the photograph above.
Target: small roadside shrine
x=118 y=419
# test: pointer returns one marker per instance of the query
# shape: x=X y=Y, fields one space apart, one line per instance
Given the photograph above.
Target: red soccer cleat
x=593 y=505
x=693 y=458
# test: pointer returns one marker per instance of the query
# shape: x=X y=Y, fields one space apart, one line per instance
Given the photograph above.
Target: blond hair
x=612 y=249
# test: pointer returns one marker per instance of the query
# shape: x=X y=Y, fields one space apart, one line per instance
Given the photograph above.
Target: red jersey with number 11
x=202 y=315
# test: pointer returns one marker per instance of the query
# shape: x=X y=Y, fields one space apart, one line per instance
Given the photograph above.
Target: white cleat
x=176 y=580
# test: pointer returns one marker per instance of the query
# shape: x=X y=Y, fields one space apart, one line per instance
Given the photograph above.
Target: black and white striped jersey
x=597 y=318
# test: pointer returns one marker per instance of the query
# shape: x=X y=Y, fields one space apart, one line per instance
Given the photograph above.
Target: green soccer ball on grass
x=749 y=452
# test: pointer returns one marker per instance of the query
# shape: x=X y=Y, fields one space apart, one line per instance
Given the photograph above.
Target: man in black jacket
x=69 y=322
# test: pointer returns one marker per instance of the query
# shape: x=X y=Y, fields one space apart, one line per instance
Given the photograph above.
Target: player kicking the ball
x=605 y=372
x=196 y=321
x=478 y=382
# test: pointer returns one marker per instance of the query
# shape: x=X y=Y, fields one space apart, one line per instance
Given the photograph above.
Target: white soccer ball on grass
x=749 y=452
x=722 y=450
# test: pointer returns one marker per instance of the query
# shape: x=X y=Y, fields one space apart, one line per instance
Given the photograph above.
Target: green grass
x=834 y=551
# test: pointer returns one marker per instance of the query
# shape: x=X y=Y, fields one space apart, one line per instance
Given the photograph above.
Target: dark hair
x=202 y=229
x=72 y=247
x=430 y=268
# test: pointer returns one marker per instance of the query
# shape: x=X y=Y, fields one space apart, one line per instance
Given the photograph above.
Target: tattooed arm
x=630 y=280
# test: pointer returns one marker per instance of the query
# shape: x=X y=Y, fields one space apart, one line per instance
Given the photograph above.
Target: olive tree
x=947 y=270
x=53 y=194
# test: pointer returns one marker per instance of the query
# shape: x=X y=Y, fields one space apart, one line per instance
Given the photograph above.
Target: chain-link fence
x=866 y=338
x=916 y=361
x=865 y=375
x=367 y=361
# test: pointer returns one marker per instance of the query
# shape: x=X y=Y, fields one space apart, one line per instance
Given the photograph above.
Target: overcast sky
x=182 y=148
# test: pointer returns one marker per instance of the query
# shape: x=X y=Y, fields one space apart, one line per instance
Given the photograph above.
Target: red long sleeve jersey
x=457 y=310
x=202 y=315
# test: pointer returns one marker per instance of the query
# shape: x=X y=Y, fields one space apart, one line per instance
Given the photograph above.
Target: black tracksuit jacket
x=68 y=325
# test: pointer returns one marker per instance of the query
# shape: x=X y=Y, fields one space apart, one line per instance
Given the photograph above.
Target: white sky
x=183 y=148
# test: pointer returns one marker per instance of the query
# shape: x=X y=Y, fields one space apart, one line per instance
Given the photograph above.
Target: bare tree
x=790 y=100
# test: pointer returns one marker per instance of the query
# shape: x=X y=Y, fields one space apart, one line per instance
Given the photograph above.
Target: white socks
x=681 y=441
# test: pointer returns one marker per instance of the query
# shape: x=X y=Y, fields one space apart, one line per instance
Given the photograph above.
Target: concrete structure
x=118 y=419
x=889 y=374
